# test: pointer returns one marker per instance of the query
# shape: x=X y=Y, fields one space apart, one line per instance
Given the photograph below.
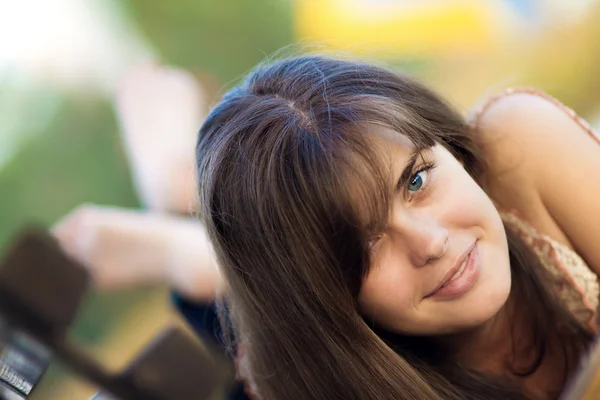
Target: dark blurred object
x=23 y=361
x=41 y=290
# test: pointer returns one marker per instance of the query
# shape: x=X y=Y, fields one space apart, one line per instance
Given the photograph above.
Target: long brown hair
x=286 y=175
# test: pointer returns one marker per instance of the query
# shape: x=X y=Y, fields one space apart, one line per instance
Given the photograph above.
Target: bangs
x=365 y=177
x=364 y=187
x=365 y=168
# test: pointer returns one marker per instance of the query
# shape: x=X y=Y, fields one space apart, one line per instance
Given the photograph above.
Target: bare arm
x=159 y=110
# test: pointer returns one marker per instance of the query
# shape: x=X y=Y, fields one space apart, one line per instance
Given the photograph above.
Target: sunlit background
x=61 y=62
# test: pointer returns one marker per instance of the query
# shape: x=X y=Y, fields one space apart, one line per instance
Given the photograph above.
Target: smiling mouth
x=457 y=274
x=460 y=277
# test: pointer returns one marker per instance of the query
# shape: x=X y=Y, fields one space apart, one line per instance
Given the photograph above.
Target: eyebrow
x=407 y=171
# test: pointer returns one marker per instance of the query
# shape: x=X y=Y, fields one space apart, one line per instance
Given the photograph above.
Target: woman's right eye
x=374 y=240
x=418 y=181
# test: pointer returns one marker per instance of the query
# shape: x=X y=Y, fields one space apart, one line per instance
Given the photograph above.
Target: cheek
x=388 y=292
x=464 y=203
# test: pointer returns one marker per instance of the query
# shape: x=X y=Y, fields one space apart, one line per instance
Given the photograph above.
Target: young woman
x=376 y=245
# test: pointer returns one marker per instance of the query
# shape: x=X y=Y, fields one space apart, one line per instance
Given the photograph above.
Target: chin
x=487 y=301
x=491 y=293
x=475 y=309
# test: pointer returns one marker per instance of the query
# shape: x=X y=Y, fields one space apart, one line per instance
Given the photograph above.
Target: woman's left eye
x=418 y=181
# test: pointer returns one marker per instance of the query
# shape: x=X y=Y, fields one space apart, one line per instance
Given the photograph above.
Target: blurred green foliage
x=225 y=37
x=77 y=159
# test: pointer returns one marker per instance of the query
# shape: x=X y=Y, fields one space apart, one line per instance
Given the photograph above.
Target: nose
x=424 y=239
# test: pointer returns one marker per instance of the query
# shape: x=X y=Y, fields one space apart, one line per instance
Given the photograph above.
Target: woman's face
x=441 y=265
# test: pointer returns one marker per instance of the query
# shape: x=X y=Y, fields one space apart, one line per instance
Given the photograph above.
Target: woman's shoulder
x=519 y=129
x=522 y=123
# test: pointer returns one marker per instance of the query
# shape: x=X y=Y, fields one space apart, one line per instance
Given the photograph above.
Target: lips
x=455 y=271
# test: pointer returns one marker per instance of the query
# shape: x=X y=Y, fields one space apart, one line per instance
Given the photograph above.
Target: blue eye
x=418 y=181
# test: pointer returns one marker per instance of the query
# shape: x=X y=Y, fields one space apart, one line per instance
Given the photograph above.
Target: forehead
x=392 y=147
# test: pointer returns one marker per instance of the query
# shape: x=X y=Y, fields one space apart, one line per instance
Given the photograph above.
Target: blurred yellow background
x=61 y=62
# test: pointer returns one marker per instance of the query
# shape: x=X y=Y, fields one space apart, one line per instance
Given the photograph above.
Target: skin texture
x=434 y=220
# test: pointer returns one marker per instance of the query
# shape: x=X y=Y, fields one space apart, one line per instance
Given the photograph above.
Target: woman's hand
x=123 y=248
